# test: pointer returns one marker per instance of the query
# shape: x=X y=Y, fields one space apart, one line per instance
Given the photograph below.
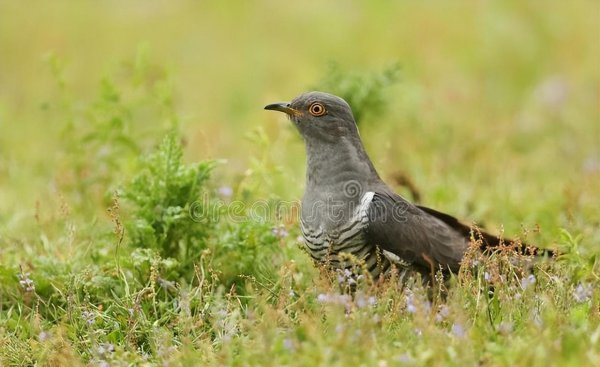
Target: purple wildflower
x=225 y=191
x=105 y=348
x=526 y=282
x=339 y=299
x=43 y=336
x=442 y=313
x=346 y=277
x=410 y=306
x=26 y=283
x=404 y=358
x=458 y=331
x=362 y=301
x=288 y=344
x=280 y=232
x=89 y=317
x=323 y=298
x=582 y=293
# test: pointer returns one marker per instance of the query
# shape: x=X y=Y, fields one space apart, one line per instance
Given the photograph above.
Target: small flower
x=344 y=299
x=323 y=298
x=346 y=277
x=337 y=299
x=442 y=313
x=26 y=283
x=89 y=317
x=279 y=232
x=43 y=336
x=458 y=331
x=225 y=191
x=487 y=276
x=582 y=293
x=411 y=308
x=300 y=239
x=505 y=327
x=404 y=358
x=105 y=348
x=288 y=344
x=526 y=282
x=361 y=301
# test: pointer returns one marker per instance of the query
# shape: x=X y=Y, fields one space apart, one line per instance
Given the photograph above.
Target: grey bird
x=347 y=208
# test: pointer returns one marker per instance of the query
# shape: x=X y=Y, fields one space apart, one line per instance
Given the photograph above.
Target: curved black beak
x=283 y=107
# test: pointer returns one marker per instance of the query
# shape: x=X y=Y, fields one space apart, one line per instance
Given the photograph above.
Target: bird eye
x=317 y=109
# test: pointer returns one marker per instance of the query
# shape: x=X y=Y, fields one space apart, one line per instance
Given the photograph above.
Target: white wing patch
x=361 y=212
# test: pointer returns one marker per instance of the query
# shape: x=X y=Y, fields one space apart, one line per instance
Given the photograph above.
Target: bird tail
x=488 y=241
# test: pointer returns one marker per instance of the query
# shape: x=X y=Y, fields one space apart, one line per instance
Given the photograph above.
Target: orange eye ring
x=317 y=109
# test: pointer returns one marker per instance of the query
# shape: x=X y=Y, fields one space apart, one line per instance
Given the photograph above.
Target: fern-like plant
x=161 y=196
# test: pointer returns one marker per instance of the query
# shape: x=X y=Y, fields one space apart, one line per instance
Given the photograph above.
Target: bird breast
x=325 y=236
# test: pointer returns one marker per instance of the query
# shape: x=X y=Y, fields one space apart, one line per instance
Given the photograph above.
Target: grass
x=147 y=203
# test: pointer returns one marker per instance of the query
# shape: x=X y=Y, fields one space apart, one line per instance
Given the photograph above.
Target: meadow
x=148 y=203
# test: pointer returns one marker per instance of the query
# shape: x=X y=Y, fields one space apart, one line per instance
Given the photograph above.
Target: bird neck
x=335 y=163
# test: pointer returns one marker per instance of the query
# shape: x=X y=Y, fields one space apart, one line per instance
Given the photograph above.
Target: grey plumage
x=348 y=208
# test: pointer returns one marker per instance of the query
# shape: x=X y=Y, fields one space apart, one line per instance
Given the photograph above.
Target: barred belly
x=327 y=247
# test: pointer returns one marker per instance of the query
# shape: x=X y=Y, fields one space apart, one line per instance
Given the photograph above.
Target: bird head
x=319 y=115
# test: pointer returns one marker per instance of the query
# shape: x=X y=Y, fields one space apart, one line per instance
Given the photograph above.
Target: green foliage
x=582 y=265
x=162 y=196
x=176 y=220
x=248 y=248
x=365 y=92
x=106 y=134
x=489 y=96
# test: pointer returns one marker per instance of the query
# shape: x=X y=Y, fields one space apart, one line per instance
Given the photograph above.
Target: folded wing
x=413 y=234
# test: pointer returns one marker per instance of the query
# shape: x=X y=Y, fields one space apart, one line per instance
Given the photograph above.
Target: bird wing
x=413 y=234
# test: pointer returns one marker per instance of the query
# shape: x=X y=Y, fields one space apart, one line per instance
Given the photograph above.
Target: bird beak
x=283 y=107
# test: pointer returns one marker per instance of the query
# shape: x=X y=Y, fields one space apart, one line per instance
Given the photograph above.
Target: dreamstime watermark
x=354 y=203
x=209 y=209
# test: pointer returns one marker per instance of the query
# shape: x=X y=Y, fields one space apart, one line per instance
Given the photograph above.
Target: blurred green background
x=495 y=116
x=490 y=109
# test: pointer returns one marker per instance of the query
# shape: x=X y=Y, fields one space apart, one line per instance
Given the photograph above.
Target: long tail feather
x=488 y=241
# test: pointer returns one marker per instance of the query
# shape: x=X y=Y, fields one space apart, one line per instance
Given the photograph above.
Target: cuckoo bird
x=347 y=208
